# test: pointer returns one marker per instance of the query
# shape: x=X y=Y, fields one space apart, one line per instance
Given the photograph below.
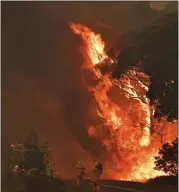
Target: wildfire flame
x=130 y=141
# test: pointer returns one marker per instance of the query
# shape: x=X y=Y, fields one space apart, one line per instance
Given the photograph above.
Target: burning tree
x=155 y=50
x=30 y=157
x=167 y=159
x=126 y=125
x=28 y=161
x=34 y=155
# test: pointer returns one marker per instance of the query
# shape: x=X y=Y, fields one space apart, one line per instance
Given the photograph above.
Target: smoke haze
x=41 y=71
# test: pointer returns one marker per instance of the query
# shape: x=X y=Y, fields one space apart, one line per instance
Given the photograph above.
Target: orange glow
x=91 y=131
x=134 y=135
x=94 y=43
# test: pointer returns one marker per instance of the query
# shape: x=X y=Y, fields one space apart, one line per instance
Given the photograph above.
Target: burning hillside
x=127 y=128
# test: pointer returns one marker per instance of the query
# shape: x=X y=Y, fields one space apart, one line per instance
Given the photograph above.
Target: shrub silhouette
x=167 y=159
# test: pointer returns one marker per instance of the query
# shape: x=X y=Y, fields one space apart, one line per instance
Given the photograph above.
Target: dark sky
x=41 y=77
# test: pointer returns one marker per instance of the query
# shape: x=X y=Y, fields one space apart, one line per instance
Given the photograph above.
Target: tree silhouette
x=155 y=52
x=36 y=157
x=167 y=159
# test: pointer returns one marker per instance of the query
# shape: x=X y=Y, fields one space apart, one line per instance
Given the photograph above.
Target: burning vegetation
x=127 y=128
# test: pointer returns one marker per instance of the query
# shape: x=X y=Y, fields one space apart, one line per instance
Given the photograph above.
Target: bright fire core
x=129 y=132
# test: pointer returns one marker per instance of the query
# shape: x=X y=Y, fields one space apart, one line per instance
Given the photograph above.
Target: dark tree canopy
x=157 y=49
x=167 y=159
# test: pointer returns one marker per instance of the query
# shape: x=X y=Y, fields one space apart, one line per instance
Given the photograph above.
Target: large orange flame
x=133 y=133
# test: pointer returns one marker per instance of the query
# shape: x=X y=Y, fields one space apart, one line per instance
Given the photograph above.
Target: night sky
x=41 y=76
